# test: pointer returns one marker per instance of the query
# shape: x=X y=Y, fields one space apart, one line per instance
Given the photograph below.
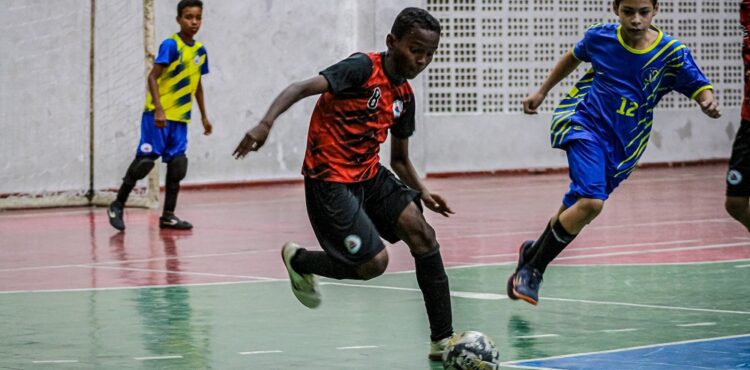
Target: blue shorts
x=592 y=171
x=167 y=142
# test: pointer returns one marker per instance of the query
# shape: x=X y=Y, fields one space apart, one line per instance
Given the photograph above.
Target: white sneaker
x=304 y=286
x=437 y=348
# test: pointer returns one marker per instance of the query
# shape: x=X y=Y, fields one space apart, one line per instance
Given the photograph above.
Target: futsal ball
x=471 y=350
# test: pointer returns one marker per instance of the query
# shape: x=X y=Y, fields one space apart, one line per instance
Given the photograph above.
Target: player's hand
x=253 y=140
x=708 y=104
x=532 y=102
x=160 y=119
x=208 y=128
x=436 y=203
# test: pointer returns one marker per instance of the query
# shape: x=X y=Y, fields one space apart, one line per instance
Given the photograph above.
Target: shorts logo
x=353 y=243
x=398 y=108
x=372 y=104
x=146 y=148
x=734 y=177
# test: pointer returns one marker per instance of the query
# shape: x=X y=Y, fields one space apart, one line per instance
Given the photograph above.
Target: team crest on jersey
x=353 y=243
x=146 y=148
x=398 y=108
x=734 y=177
x=372 y=104
x=197 y=60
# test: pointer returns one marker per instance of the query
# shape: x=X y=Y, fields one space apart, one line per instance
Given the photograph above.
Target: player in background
x=738 y=176
x=605 y=122
x=172 y=83
x=352 y=200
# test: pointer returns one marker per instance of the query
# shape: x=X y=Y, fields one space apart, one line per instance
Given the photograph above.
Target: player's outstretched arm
x=208 y=128
x=707 y=101
x=402 y=166
x=567 y=64
x=256 y=136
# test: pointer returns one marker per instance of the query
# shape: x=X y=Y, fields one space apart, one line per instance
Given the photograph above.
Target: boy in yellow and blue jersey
x=605 y=122
x=172 y=83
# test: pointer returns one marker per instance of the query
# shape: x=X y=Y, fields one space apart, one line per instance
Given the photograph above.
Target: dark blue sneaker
x=526 y=284
x=521 y=263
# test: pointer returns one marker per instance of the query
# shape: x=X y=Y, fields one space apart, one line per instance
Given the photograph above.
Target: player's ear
x=614 y=8
x=390 y=41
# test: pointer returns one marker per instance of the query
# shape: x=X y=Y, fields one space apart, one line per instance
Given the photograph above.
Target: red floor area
x=658 y=216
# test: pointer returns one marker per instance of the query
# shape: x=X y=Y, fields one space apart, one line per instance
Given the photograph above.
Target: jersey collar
x=640 y=51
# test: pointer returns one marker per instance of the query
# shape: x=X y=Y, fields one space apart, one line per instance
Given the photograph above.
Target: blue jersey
x=613 y=103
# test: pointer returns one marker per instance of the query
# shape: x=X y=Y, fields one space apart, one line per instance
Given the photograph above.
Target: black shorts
x=738 y=176
x=349 y=219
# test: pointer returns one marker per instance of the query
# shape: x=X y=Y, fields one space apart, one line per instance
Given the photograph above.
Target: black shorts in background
x=738 y=176
x=350 y=219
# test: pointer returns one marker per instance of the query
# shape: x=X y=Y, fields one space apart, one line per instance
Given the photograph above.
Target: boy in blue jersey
x=605 y=122
x=172 y=83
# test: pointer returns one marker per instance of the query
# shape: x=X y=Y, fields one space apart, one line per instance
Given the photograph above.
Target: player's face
x=190 y=20
x=636 y=16
x=413 y=52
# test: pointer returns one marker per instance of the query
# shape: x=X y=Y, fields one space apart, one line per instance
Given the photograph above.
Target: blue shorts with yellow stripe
x=592 y=171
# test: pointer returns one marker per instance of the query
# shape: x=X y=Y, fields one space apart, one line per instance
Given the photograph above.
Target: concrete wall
x=255 y=48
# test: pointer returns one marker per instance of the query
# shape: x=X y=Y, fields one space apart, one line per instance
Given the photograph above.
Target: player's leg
x=351 y=244
x=738 y=177
x=583 y=202
x=150 y=147
x=177 y=166
x=397 y=213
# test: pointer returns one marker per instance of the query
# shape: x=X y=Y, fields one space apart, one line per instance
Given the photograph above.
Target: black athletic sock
x=320 y=263
x=531 y=252
x=170 y=197
x=124 y=192
x=433 y=282
x=551 y=246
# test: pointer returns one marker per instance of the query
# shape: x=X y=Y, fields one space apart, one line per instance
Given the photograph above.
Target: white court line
x=536 y=336
x=697 y=324
x=357 y=347
x=177 y=272
x=54 y=361
x=497 y=296
x=616 y=246
x=741 y=266
x=258 y=352
x=149 y=358
x=513 y=363
x=618 y=330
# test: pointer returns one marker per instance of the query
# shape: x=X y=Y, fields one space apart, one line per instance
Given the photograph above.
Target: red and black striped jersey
x=745 y=21
x=352 y=119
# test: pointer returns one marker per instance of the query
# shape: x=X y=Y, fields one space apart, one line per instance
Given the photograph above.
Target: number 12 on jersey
x=627 y=107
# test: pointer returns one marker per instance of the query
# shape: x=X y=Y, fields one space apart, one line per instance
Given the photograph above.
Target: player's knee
x=592 y=207
x=139 y=168
x=374 y=267
x=736 y=207
x=417 y=233
x=177 y=169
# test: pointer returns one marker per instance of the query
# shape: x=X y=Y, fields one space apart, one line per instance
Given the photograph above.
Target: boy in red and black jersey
x=738 y=176
x=353 y=200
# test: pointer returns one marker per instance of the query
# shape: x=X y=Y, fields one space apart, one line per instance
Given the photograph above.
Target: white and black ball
x=471 y=350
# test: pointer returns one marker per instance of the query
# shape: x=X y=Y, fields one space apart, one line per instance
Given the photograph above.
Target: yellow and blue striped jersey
x=185 y=64
x=613 y=103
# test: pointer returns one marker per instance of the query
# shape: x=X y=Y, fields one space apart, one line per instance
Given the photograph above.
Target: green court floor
x=372 y=325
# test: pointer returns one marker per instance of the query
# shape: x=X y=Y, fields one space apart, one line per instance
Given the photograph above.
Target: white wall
x=255 y=48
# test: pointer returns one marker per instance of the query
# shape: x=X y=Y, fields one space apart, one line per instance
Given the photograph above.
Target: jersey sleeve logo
x=398 y=108
x=372 y=104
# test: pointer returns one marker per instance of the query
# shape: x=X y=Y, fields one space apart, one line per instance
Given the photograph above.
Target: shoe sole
x=435 y=357
x=524 y=297
x=302 y=298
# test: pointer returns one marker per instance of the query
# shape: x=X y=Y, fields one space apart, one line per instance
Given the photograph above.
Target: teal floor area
x=379 y=324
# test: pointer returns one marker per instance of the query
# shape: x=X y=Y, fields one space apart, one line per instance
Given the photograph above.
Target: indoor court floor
x=658 y=281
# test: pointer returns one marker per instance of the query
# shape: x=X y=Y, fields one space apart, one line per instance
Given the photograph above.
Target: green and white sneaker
x=437 y=348
x=304 y=286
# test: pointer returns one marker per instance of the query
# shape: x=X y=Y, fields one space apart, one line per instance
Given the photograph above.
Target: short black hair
x=186 y=4
x=414 y=17
x=617 y=3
